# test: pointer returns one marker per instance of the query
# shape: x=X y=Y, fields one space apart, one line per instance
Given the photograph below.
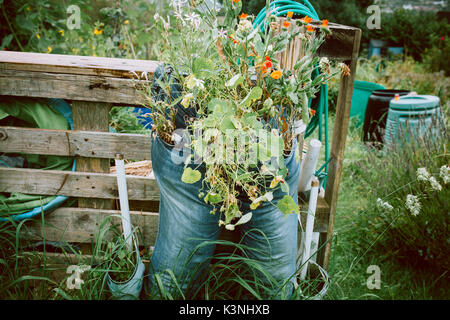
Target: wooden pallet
x=95 y=84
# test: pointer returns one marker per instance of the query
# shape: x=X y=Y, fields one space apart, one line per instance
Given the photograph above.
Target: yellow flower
x=28 y=8
x=126 y=22
x=98 y=31
x=49 y=49
x=75 y=50
x=61 y=32
x=38 y=36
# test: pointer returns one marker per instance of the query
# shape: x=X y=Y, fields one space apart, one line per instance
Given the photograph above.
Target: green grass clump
x=410 y=248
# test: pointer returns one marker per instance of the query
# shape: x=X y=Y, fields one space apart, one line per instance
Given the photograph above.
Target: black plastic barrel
x=376 y=114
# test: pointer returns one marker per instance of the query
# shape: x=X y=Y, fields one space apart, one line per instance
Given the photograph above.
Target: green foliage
x=413 y=30
x=121 y=261
x=125 y=120
x=107 y=28
x=436 y=58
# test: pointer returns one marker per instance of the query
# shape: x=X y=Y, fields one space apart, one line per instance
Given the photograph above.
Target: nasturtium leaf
x=219 y=106
x=235 y=81
x=285 y=187
x=254 y=94
x=191 y=176
x=244 y=219
x=202 y=67
x=213 y=198
x=263 y=153
x=227 y=124
x=287 y=205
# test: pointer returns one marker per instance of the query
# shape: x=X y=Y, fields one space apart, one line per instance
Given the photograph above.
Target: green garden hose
x=320 y=119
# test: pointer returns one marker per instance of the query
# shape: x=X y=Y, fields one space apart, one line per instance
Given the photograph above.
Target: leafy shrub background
x=122 y=29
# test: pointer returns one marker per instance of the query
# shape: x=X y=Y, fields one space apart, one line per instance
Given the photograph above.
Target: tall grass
x=411 y=251
x=231 y=275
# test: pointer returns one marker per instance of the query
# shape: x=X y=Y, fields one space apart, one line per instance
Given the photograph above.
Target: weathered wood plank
x=75 y=184
x=74 y=143
x=81 y=65
x=79 y=225
x=321 y=217
x=71 y=87
x=339 y=45
x=338 y=142
x=92 y=116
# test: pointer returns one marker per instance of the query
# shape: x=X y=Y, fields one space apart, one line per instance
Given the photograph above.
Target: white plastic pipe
x=123 y=198
x=309 y=226
x=309 y=165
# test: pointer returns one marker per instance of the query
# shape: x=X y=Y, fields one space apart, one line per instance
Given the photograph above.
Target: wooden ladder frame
x=95 y=84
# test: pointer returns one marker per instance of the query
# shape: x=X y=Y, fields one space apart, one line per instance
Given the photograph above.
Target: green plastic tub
x=361 y=93
x=418 y=115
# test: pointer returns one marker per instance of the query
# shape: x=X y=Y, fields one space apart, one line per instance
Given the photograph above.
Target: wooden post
x=338 y=148
x=92 y=116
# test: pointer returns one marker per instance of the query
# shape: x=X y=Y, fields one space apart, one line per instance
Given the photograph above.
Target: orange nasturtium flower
x=236 y=1
x=310 y=28
x=286 y=24
x=263 y=69
x=325 y=23
x=243 y=16
x=276 y=74
x=307 y=19
x=290 y=14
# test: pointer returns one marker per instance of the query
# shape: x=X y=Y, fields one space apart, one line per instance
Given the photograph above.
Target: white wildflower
x=412 y=204
x=166 y=24
x=435 y=184
x=199 y=83
x=222 y=33
x=177 y=4
x=179 y=17
x=244 y=26
x=194 y=19
x=444 y=174
x=422 y=174
x=325 y=65
x=156 y=17
x=383 y=205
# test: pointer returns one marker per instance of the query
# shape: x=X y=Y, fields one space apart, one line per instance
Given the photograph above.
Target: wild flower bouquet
x=248 y=108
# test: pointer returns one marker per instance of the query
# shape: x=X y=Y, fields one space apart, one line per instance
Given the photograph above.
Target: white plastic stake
x=123 y=198
x=309 y=165
x=309 y=226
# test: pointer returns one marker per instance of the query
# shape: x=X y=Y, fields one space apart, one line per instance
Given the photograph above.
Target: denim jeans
x=187 y=229
x=186 y=225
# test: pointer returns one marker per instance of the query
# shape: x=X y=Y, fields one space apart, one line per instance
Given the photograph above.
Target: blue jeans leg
x=186 y=228
x=185 y=223
x=273 y=236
